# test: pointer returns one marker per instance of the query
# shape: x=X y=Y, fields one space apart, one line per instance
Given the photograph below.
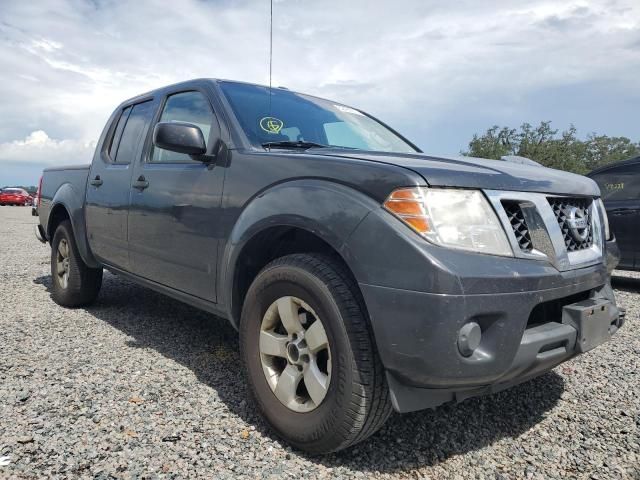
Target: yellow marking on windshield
x=271 y=125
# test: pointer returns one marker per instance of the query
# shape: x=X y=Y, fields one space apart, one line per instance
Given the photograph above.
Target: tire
x=356 y=397
x=74 y=284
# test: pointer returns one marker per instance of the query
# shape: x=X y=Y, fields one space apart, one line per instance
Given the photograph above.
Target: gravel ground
x=140 y=385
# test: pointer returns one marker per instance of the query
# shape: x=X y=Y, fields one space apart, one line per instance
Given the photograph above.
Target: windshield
x=306 y=120
x=12 y=191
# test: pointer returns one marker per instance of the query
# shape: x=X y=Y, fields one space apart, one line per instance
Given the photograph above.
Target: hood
x=473 y=172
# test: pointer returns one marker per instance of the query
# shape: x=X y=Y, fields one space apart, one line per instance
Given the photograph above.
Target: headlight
x=451 y=218
x=605 y=219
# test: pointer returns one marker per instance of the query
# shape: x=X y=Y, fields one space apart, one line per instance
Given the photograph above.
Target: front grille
x=569 y=213
x=518 y=224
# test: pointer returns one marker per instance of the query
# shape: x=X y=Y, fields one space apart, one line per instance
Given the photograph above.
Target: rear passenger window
x=620 y=183
x=189 y=107
x=139 y=118
x=117 y=135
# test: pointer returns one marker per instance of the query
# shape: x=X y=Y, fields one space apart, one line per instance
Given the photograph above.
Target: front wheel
x=74 y=283
x=309 y=354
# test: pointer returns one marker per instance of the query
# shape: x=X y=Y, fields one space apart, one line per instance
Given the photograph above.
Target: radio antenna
x=270 y=54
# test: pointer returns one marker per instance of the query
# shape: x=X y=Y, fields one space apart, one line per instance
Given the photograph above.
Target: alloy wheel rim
x=62 y=263
x=295 y=354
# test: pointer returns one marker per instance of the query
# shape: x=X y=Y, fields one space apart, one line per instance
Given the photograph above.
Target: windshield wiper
x=291 y=144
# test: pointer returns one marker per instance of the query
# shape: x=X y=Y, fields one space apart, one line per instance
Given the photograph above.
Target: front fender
x=72 y=200
x=329 y=210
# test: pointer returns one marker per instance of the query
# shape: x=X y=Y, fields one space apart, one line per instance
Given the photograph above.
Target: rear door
x=109 y=187
x=620 y=189
x=174 y=217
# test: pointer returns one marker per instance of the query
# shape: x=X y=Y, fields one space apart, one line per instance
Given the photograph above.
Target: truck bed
x=71 y=181
x=84 y=166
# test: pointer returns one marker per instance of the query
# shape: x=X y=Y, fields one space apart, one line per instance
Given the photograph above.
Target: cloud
x=41 y=150
x=437 y=71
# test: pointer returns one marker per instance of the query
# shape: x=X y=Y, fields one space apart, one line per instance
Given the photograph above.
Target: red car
x=15 y=196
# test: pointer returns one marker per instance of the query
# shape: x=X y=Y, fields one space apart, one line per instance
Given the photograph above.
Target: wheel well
x=56 y=217
x=268 y=245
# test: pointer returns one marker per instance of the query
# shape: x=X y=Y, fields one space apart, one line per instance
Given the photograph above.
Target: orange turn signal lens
x=419 y=224
x=404 y=194
x=405 y=207
x=407 y=204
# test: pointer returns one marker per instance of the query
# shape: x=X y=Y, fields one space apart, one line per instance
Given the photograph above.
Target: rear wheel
x=74 y=283
x=309 y=354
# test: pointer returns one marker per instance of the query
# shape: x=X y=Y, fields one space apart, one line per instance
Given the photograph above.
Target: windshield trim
x=255 y=145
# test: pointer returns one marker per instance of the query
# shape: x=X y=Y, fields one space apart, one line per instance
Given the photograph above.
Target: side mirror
x=179 y=137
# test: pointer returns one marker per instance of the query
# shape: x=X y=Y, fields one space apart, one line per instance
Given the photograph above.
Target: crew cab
x=363 y=275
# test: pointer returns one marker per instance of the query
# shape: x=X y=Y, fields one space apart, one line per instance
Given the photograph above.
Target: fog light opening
x=469 y=338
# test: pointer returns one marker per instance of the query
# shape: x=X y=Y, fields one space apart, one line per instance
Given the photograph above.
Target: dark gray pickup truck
x=362 y=275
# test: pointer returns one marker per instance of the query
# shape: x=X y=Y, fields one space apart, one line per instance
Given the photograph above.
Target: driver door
x=174 y=214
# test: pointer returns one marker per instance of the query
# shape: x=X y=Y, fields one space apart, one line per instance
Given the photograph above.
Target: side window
x=139 y=118
x=620 y=184
x=189 y=107
x=117 y=135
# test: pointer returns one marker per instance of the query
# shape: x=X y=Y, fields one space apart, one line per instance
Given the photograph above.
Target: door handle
x=96 y=182
x=141 y=183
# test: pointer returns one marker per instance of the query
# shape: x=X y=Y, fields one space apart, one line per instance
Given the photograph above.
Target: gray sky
x=437 y=71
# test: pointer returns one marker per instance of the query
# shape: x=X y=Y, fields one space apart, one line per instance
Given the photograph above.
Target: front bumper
x=524 y=333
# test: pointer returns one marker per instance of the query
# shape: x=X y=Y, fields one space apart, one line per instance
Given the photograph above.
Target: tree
x=543 y=144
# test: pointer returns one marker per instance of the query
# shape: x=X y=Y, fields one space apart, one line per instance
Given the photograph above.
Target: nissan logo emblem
x=578 y=224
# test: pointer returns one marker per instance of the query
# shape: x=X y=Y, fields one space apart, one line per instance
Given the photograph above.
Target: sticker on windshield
x=345 y=109
x=271 y=125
